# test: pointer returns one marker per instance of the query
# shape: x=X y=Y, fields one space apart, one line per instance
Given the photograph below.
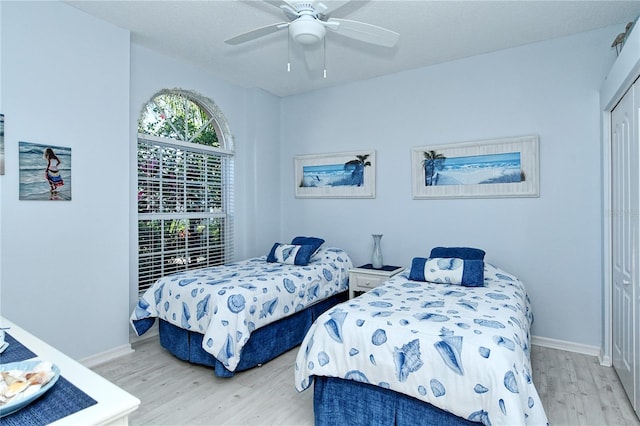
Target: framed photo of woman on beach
x=45 y=172
x=507 y=167
x=338 y=175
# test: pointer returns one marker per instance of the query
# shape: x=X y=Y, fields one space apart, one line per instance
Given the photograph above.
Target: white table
x=113 y=404
x=363 y=279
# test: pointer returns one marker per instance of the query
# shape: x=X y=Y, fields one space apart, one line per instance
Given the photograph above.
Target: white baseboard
x=563 y=345
x=605 y=360
x=546 y=342
x=111 y=354
x=102 y=357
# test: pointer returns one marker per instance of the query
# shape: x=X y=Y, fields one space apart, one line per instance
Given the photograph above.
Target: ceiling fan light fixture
x=306 y=32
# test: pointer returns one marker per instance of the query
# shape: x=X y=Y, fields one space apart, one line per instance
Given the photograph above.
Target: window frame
x=225 y=155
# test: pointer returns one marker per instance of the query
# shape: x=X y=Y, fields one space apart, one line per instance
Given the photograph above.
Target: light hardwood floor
x=574 y=388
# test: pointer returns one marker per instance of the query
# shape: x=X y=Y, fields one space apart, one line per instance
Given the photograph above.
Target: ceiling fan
x=307 y=25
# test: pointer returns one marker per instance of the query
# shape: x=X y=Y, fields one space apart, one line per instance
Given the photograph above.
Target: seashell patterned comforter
x=462 y=349
x=227 y=303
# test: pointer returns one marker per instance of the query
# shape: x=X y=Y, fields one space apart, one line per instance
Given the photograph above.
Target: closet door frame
x=625 y=70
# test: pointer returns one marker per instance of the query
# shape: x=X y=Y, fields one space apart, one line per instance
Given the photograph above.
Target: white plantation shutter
x=185 y=207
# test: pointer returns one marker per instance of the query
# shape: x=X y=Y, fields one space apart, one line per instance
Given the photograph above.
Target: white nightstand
x=365 y=277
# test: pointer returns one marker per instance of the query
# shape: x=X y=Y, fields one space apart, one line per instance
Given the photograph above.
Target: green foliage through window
x=175 y=116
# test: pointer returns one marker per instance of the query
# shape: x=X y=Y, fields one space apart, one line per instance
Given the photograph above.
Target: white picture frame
x=336 y=175
x=495 y=168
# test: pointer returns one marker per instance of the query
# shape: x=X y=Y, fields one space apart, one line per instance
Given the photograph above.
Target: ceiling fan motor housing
x=307 y=30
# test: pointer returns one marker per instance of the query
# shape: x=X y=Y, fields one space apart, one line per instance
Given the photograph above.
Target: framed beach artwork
x=45 y=172
x=507 y=167
x=338 y=175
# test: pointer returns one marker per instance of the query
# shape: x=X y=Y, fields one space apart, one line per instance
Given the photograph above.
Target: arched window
x=185 y=186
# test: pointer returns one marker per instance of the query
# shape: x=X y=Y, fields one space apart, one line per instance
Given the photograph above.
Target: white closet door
x=625 y=194
x=634 y=213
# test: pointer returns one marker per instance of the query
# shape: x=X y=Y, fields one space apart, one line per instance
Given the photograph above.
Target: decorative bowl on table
x=23 y=382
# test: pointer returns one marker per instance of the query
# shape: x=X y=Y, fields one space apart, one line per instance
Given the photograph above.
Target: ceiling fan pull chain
x=324 y=56
x=288 y=49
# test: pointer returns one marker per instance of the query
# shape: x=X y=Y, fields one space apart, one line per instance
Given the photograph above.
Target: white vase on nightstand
x=376 y=258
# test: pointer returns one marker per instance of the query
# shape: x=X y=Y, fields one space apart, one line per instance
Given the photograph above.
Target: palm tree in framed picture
x=357 y=169
x=432 y=161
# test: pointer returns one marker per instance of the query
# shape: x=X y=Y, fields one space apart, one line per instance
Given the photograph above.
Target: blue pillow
x=465 y=253
x=290 y=254
x=308 y=241
x=450 y=270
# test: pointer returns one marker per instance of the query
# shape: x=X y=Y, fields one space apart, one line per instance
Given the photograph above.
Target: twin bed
x=242 y=314
x=445 y=342
x=416 y=352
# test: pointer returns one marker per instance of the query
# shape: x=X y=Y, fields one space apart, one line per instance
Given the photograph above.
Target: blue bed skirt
x=265 y=343
x=339 y=401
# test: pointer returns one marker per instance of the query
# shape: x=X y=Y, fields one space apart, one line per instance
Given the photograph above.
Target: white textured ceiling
x=431 y=32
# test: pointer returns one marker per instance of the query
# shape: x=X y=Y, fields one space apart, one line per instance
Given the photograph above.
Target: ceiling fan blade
x=286 y=6
x=275 y=3
x=333 y=7
x=365 y=32
x=319 y=7
x=257 y=33
x=289 y=11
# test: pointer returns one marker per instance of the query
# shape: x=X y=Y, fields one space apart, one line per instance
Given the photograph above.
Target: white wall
x=69 y=79
x=64 y=265
x=552 y=243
